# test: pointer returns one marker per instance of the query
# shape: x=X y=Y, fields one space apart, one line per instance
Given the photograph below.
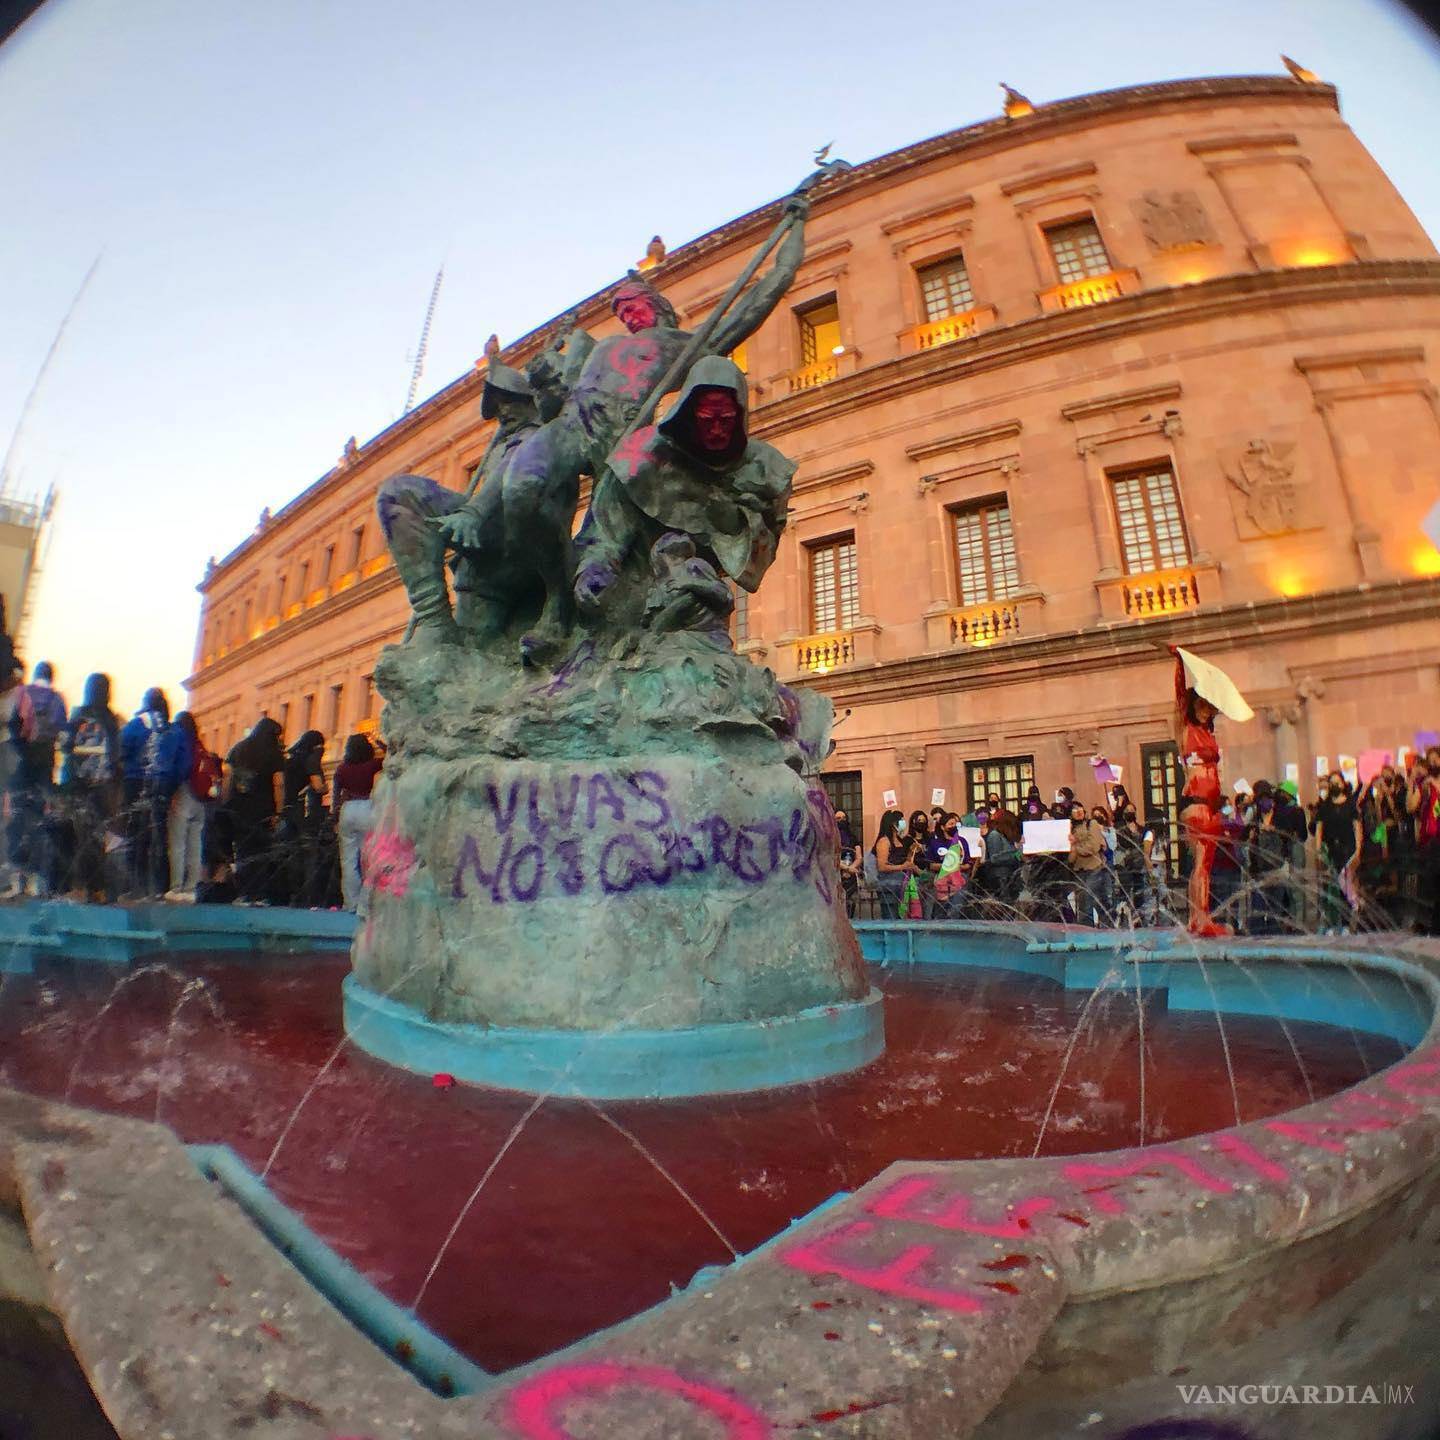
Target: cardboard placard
x=1292 y=773
x=1402 y=757
x=887 y=799
x=1349 y=767
x=1322 y=764
x=971 y=835
x=1242 y=787
x=1104 y=771
x=937 y=796
x=1371 y=763
x=1211 y=683
x=1424 y=739
x=1046 y=837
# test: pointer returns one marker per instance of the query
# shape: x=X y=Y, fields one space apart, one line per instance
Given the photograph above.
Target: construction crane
x=424 y=342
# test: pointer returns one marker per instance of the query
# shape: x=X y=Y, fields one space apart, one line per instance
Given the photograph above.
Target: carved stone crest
x=1176 y=221
x=1268 y=493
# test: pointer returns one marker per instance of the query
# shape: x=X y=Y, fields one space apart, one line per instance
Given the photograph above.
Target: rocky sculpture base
x=567 y=862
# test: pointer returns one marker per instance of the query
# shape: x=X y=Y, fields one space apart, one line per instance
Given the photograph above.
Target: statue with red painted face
x=698 y=474
x=541 y=482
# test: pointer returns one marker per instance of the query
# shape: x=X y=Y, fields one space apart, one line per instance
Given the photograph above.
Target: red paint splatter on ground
x=576 y=1230
x=1008 y=1262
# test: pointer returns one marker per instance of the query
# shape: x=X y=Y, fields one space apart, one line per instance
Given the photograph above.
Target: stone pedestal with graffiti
x=654 y=919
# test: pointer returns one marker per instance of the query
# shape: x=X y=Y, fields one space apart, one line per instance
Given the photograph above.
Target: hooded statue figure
x=696 y=472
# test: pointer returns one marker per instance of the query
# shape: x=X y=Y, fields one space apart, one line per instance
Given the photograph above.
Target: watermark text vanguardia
x=1261 y=1394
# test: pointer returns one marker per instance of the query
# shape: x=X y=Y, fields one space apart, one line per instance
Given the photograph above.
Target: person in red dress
x=1201 y=799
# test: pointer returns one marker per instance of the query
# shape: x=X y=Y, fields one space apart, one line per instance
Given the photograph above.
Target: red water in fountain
x=578 y=1227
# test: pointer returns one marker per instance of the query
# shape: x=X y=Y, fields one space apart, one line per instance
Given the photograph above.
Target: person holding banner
x=1202 y=691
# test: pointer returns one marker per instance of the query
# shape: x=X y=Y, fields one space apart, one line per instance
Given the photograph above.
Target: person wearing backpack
x=35 y=727
x=146 y=813
x=90 y=783
x=188 y=774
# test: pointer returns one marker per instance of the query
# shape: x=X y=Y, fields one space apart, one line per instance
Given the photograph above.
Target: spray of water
x=679 y=1189
x=1090 y=1000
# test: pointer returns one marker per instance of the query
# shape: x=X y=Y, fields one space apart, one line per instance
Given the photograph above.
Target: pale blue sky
x=274 y=184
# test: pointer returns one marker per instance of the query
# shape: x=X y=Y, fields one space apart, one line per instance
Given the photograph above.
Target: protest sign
x=1046 y=837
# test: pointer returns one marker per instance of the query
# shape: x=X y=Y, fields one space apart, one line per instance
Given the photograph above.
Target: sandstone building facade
x=1144 y=367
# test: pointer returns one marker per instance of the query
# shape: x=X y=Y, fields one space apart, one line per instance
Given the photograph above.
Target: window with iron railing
x=985 y=562
x=1078 y=250
x=834 y=585
x=819 y=331
x=945 y=288
x=1152 y=529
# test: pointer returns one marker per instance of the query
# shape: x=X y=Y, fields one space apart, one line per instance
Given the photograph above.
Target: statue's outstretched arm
x=753 y=307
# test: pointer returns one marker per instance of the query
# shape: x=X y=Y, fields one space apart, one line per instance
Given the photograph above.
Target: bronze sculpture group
x=679 y=506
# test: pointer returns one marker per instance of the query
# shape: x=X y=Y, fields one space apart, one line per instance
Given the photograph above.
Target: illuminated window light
x=1426 y=561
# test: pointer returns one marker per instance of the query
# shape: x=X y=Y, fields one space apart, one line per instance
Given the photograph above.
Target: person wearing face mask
x=1268 y=851
x=998 y=873
x=893 y=851
x=1035 y=807
x=949 y=884
x=1338 y=840
x=848 y=861
x=1422 y=803
x=1381 y=814
x=1226 y=877
x=1130 y=864
x=1087 y=866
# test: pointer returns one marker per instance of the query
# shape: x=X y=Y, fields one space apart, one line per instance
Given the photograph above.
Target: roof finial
x=1016 y=104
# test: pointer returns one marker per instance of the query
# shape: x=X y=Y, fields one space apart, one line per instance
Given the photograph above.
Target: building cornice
x=322 y=614
x=1055 y=655
x=969 y=141
x=1224 y=296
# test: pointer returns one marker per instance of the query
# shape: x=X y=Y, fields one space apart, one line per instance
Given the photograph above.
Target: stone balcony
x=934 y=333
x=1160 y=592
x=949 y=627
x=819 y=654
x=1093 y=290
x=810 y=376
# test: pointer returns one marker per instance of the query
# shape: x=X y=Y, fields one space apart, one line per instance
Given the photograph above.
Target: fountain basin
x=1070 y=1294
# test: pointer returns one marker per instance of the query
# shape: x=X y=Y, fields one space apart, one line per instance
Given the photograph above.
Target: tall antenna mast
x=424 y=342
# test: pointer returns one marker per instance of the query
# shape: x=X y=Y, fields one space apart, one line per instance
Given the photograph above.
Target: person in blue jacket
x=145 y=813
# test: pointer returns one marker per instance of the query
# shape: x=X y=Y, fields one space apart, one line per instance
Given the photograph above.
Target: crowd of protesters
x=145 y=810
x=1339 y=862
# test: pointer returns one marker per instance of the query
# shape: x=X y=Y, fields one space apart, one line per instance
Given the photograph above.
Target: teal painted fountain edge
x=397 y=1331
x=1308 y=982
x=623 y=1064
x=117 y=934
